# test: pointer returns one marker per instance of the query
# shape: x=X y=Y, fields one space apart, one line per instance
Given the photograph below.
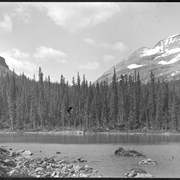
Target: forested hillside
x=126 y=104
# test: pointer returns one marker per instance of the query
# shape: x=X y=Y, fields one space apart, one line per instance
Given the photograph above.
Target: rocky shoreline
x=22 y=164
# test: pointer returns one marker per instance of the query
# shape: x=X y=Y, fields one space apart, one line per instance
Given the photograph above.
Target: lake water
x=98 y=150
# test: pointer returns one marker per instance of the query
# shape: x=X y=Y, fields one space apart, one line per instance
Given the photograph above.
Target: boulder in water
x=129 y=153
x=148 y=162
x=81 y=160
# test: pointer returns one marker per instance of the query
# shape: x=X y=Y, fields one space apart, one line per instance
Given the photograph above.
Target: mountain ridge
x=163 y=59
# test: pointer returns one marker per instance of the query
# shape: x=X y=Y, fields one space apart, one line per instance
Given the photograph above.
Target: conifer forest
x=125 y=104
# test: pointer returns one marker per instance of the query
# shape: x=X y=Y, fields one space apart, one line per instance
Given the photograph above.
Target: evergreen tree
x=159 y=109
x=151 y=101
x=105 y=107
x=33 y=113
x=131 y=115
x=41 y=100
x=174 y=114
x=97 y=105
x=114 y=99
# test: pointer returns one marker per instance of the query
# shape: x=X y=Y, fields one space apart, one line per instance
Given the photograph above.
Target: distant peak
x=3 y=63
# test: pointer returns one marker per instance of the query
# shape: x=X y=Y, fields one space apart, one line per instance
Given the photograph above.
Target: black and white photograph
x=89 y=90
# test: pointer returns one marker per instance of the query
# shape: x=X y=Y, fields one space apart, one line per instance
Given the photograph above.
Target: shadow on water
x=90 y=139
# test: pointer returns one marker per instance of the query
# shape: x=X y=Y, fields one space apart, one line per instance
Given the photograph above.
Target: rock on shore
x=138 y=173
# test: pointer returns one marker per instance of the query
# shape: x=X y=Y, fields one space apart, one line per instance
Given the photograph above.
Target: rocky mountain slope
x=163 y=59
x=4 y=68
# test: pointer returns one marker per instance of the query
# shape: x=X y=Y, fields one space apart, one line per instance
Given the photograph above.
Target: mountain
x=163 y=60
x=4 y=68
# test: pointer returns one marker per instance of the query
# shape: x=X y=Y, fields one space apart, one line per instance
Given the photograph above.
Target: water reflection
x=90 y=139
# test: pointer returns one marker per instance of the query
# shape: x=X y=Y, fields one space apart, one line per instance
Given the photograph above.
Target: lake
x=98 y=150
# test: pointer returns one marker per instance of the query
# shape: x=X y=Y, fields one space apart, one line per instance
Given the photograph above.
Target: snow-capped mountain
x=163 y=59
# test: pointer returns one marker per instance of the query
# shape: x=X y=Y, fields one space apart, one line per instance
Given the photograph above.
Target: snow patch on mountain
x=157 y=50
x=150 y=52
x=133 y=66
x=161 y=47
x=174 y=60
x=177 y=58
x=162 y=62
x=170 y=51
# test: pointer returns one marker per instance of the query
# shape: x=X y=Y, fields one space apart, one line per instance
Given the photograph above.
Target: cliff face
x=4 y=68
x=3 y=63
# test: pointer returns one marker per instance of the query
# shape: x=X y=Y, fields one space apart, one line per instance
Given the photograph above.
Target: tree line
x=124 y=104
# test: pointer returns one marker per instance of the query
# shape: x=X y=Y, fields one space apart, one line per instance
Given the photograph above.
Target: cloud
x=50 y=53
x=90 y=66
x=21 y=12
x=89 y=41
x=108 y=58
x=19 y=61
x=6 y=23
x=14 y=11
x=119 y=46
x=70 y=16
x=16 y=53
x=116 y=46
x=75 y=16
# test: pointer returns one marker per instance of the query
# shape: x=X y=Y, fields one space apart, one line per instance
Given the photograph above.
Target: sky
x=85 y=37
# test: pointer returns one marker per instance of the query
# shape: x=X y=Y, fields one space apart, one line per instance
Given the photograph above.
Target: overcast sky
x=89 y=38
